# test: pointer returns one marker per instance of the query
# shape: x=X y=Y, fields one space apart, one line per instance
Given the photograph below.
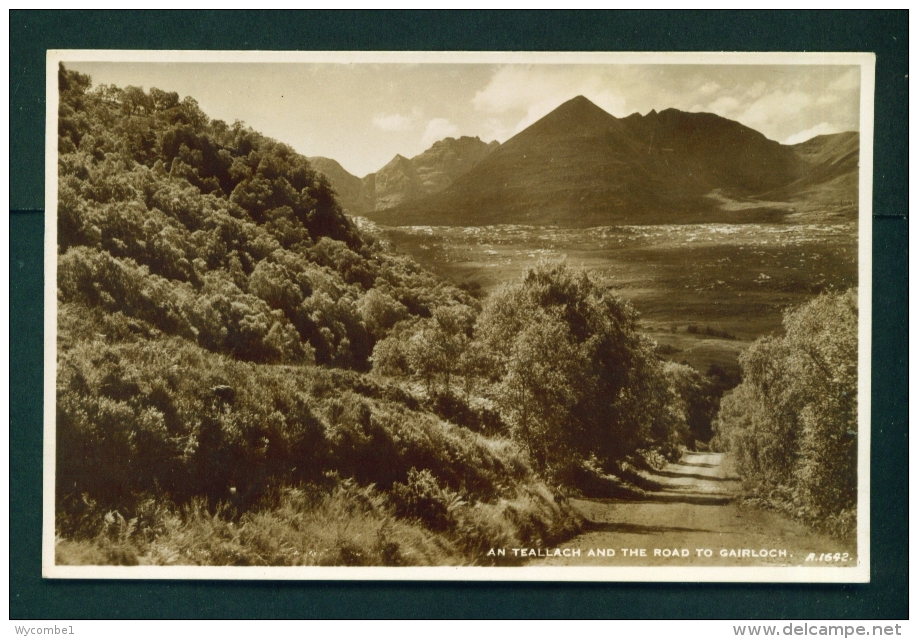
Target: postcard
x=458 y=316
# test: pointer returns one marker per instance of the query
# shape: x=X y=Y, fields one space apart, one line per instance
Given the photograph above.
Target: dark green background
x=884 y=32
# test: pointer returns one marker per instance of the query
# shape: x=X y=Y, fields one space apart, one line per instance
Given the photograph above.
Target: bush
x=167 y=417
x=423 y=498
x=698 y=399
x=346 y=525
x=667 y=349
x=570 y=374
x=481 y=419
x=792 y=422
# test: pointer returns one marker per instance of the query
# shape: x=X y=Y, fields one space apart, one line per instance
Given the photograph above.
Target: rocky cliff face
x=404 y=180
x=440 y=165
x=395 y=183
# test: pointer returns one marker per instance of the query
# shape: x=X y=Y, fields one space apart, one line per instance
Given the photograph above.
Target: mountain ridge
x=581 y=166
x=405 y=179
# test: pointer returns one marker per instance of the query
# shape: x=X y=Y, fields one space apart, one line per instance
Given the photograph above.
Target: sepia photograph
x=458 y=316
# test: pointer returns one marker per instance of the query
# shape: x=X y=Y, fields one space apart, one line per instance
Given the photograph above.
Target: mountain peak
x=581 y=166
x=576 y=117
x=581 y=106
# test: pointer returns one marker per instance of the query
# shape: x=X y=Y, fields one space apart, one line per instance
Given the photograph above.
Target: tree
x=380 y=312
x=436 y=347
x=162 y=100
x=572 y=374
x=792 y=422
x=134 y=101
x=544 y=380
x=390 y=355
x=699 y=399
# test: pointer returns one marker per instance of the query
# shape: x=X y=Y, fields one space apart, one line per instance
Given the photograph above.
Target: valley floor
x=736 y=279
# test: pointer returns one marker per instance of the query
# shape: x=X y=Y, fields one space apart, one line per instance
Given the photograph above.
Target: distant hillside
x=580 y=166
x=830 y=181
x=350 y=189
x=404 y=180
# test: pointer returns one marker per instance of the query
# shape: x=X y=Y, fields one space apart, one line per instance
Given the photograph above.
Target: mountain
x=580 y=166
x=395 y=183
x=434 y=169
x=404 y=180
x=716 y=152
x=830 y=181
x=352 y=194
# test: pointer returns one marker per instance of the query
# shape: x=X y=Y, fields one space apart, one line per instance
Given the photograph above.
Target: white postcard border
x=859 y=573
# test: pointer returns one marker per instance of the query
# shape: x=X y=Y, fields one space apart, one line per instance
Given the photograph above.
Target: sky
x=363 y=114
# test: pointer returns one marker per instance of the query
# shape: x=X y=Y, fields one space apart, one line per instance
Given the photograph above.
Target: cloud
x=777 y=106
x=437 y=129
x=708 y=88
x=778 y=101
x=393 y=122
x=847 y=82
x=496 y=129
x=723 y=105
x=845 y=87
x=792 y=104
x=823 y=128
x=519 y=95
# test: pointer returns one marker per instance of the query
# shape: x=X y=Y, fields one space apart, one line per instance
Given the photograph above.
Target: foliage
x=792 y=422
x=217 y=313
x=312 y=525
x=699 y=397
x=570 y=374
x=430 y=349
x=215 y=233
x=167 y=421
x=422 y=497
x=479 y=416
x=348 y=525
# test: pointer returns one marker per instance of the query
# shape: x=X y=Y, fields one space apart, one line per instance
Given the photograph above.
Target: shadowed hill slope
x=830 y=182
x=350 y=189
x=218 y=315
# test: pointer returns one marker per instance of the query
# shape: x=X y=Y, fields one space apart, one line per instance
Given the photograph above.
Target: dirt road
x=695 y=513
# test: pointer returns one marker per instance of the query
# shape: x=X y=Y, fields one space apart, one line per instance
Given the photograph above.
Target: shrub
x=454 y=409
x=792 y=422
x=422 y=497
x=698 y=399
x=570 y=374
x=346 y=525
